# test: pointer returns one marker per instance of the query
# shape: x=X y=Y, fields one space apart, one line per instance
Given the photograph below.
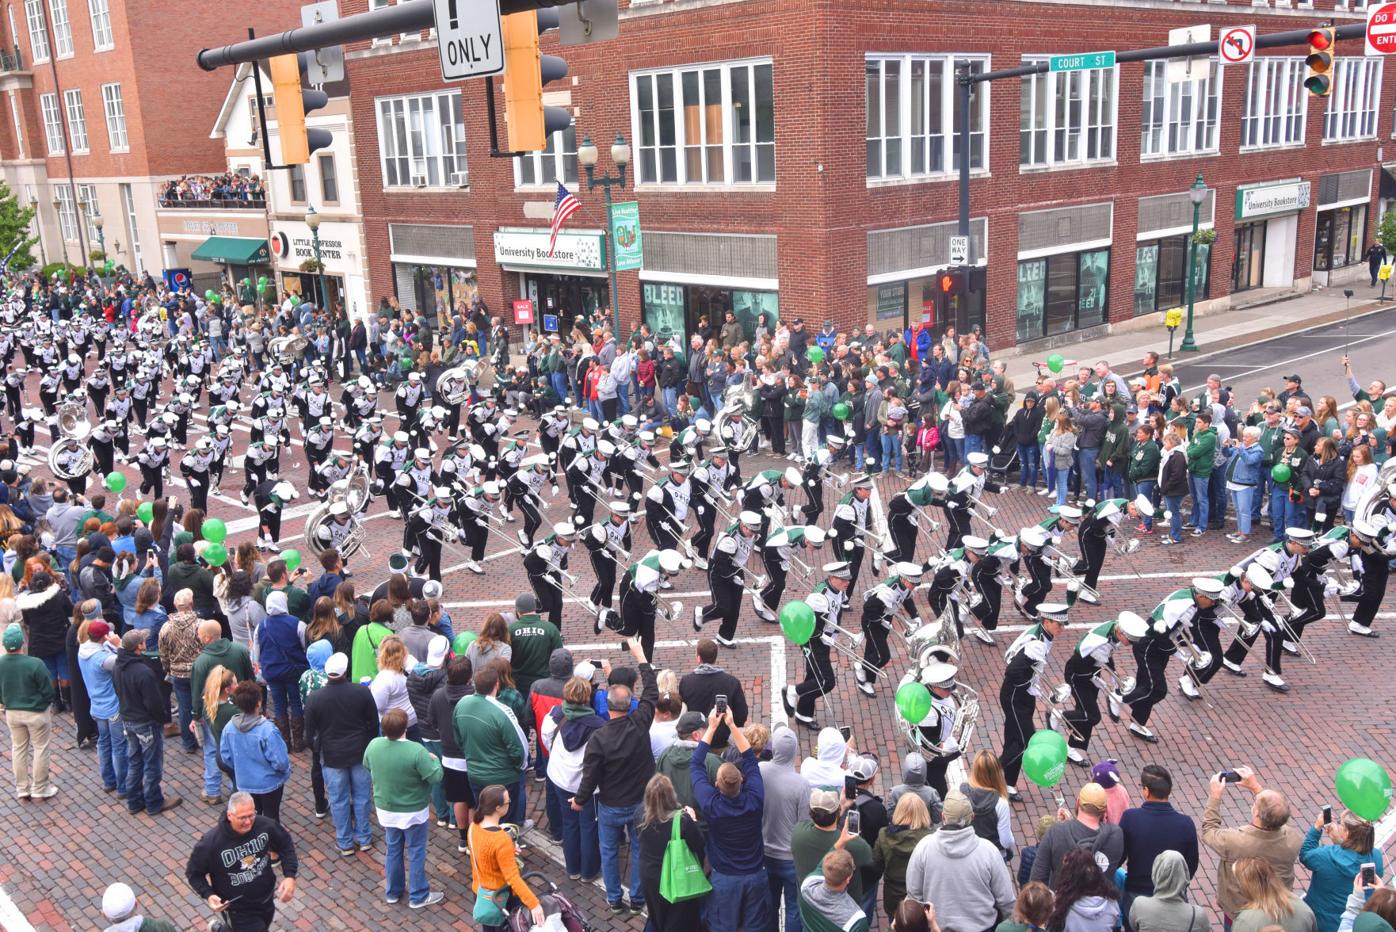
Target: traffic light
x=293 y=102
x=953 y=282
x=525 y=72
x=1318 y=80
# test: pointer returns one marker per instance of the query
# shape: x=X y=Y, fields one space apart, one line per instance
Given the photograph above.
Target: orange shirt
x=492 y=863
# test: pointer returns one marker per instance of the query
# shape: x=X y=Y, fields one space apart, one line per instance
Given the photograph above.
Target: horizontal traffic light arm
x=408 y=16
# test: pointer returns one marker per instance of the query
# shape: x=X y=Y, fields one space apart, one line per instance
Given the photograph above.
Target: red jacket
x=644 y=372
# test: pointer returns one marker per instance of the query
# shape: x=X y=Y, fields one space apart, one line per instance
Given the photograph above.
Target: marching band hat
x=605 y=448
x=589 y=423
x=977 y=458
x=792 y=476
x=400 y=437
x=681 y=466
x=815 y=535
x=619 y=507
x=1259 y=576
x=1033 y=537
x=938 y=483
x=339 y=508
x=559 y=409
x=750 y=519
x=1209 y=586
x=533 y=462
x=1054 y=611
x=414 y=376
x=421 y=453
x=670 y=561
x=630 y=421
x=940 y=674
x=717 y=451
x=284 y=491
x=1069 y=512
x=397 y=562
x=1300 y=535
x=646 y=436
x=1365 y=530
x=1132 y=625
x=1144 y=506
x=564 y=529
x=974 y=544
x=326 y=421
x=489 y=488
x=838 y=570
x=836 y=441
x=862 y=482
x=908 y=570
x=703 y=425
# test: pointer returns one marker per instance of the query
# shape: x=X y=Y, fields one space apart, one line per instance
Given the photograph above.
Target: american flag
x=565 y=206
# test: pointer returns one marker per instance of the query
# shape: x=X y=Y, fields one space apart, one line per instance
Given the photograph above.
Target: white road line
x=11 y=919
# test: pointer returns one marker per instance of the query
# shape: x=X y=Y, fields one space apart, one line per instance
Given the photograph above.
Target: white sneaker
x=523 y=538
x=1189 y=688
x=509 y=517
x=859 y=673
x=1351 y=588
x=475 y=568
x=1044 y=492
x=272 y=546
x=725 y=642
x=698 y=619
x=1233 y=668
x=1289 y=647
x=554 y=490
x=1113 y=705
x=1363 y=630
x=1056 y=722
x=666 y=585
x=1275 y=682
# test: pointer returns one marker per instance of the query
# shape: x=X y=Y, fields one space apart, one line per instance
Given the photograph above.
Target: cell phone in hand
x=1327 y=815
x=855 y=822
x=1369 y=874
x=721 y=704
x=850 y=786
x=846 y=733
x=1230 y=776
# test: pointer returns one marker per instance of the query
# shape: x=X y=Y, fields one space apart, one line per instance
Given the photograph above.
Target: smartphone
x=721 y=704
x=1231 y=776
x=855 y=824
x=1327 y=815
x=1369 y=874
x=846 y=732
x=850 y=786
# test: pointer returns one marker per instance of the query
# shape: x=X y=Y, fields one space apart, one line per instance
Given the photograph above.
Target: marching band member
x=70 y=460
x=688 y=443
x=72 y=373
x=608 y=541
x=414 y=485
x=730 y=557
x=630 y=456
x=639 y=596
x=816 y=475
x=987 y=558
x=584 y=476
x=1096 y=530
x=1151 y=654
x=966 y=489
x=1206 y=634
x=1339 y=547
x=389 y=457
x=1094 y=652
x=666 y=506
x=949 y=575
x=937 y=728
x=314 y=405
x=337 y=465
x=476 y=505
x=318 y=443
x=14 y=391
x=152 y=459
x=552 y=427
x=103 y=443
x=709 y=483
x=50 y=382
x=270 y=496
x=1037 y=584
x=431 y=525
x=408 y=398
x=579 y=443
x=1377 y=517
x=509 y=460
x=1248 y=592
x=776 y=554
x=545 y=564
x=827 y=601
x=1026 y=659
x=525 y=488
x=360 y=401
x=904 y=510
x=849 y=532
x=331 y=534
x=881 y=603
x=195 y=467
x=98 y=384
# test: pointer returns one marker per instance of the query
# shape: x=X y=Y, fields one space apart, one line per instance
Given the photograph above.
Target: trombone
x=1063 y=565
x=830 y=636
x=1196 y=657
x=1115 y=687
x=1056 y=700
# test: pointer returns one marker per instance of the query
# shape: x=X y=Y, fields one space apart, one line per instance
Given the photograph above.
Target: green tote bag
x=681 y=876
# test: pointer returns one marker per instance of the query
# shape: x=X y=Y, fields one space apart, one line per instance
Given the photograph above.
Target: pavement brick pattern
x=58 y=855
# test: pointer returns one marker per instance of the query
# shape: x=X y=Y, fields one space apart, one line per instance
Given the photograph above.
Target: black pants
x=1019 y=708
x=903 y=531
x=776 y=587
x=957 y=520
x=532 y=519
x=1374 y=574
x=637 y=610
x=1151 y=656
x=139 y=405
x=269 y=804
x=605 y=566
x=663 y=535
x=549 y=597
x=429 y=557
x=875 y=632
x=1242 y=644
x=1085 y=714
x=317 y=782
x=815 y=507
x=855 y=563
x=774 y=428
x=248 y=918
x=936 y=766
x=988 y=608
x=585 y=502
x=1092 y=560
x=707 y=521
x=727 y=603
x=254 y=474
x=819 y=680
x=198 y=491
x=271 y=524
x=103 y=455
x=152 y=479
x=1308 y=599
x=1207 y=636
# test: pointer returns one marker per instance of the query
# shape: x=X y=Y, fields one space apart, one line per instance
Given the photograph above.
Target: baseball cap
x=1106 y=773
x=863 y=768
x=1293 y=378
x=1093 y=795
x=98 y=630
x=14 y=637
x=824 y=800
x=337 y=665
x=688 y=723
x=957 y=809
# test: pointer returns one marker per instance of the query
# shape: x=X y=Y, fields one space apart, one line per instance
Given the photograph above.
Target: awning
x=235 y=250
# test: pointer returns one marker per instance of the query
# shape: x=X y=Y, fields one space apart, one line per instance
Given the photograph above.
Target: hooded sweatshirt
x=140 y=924
x=255 y=750
x=964 y=875
x=832 y=909
x=914 y=782
x=546 y=694
x=96 y=662
x=1166 y=910
x=218 y=653
x=1092 y=914
x=825 y=770
x=564 y=735
x=233 y=865
x=787 y=794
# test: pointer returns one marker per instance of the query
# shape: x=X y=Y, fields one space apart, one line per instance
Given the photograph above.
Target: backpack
x=1093 y=845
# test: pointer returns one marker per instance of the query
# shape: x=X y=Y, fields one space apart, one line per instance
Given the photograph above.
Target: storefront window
x=676 y=308
x=889 y=303
x=1340 y=237
x=1248 y=269
x=750 y=306
x=565 y=295
x=437 y=290
x=1061 y=293
x=1160 y=274
x=664 y=310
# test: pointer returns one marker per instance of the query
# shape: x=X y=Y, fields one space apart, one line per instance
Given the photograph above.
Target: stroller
x=1003 y=455
x=563 y=915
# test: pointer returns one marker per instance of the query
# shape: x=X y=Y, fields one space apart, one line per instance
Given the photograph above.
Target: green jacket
x=1272 y=441
x=891 y=855
x=533 y=640
x=403 y=773
x=1144 y=461
x=297 y=600
x=219 y=653
x=1115 y=450
x=794 y=412
x=25 y=685
x=490 y=740
x=673 y=763
x=363 y=658
x=816 y=407
x=1202 y=450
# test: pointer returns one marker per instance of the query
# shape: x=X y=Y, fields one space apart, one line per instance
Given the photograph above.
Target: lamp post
x=98 y=222
x=312 y=220
x=58 y=213
x=620 y=155
x=1197 y=194
x=38 y=231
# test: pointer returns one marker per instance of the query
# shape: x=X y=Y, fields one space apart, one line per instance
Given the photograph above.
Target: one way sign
x=469 y=39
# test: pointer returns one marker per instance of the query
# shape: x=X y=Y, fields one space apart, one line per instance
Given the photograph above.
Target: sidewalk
x=1213 y=333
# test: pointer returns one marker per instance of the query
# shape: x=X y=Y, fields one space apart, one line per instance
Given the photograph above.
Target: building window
x=1061 y=293
x=62 y=29
x=296 y=174
x=1161 y=272
x=115 y=109
x=713 y=124
x=19 y=125
x=67 y=215
x=100 y=11
x=421 y=140
x=912 y=111
x=1276 y=103
x=1352 y=105
x=329 y=182
x=53 y=123
x=1181 y=118
x=558 y=162
x=77 y=119
x=1067 y=117
x=1340 y=237
x=38 y=37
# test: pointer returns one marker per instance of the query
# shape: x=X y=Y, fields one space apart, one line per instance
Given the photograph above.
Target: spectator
x=964 y=875
x=674 y=763
x=565 y=733
x=911 y=821
x=281 y=652
x=1173 y=485
x=389 y=684
x=1087 y=830
x=821 y=833
x=494 y=867
x=656 y=831
x=912 y=916
x=700 y=689
x=145 y=711
x=1201 y=454
x=186 y=573
x=46 y=612
x=216 y=652
x=96 y=658
x=914 y=782
x=27 y=693
x=826 y=769
x=255 y=750
x=731 y=806
x=1166 y=909
x=1267 y=902
x=455 y=781
x=119 y=908
x=1084 y=898
x=1377 y=914
x=786 y=802
x=403 y=773
x=230 y=867
x=489 y=737
x=1152 y=829
x=825 y=905
x=987 y=791
x=1334 y=866
x=1107 y=774
x=1031 y=911
x=178 y=647
x=872 y=819
x=341 y=719
x=532 y=640
x=1269 y=836
x=492 y=644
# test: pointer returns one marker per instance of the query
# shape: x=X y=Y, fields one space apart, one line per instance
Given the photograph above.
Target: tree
x=16 y=229
x=1386 y=231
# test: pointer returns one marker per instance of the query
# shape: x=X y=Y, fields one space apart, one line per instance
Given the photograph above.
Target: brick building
x=797 y=158
x=105 y=104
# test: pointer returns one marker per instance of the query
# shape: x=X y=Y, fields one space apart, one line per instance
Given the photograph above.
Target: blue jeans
x=615 y=822
x=671 y=400
x=1262 y=494
x=974 y=443
x=213 y=777
x=554 y=802
x=740 y=902
x=1027 y=464
x=581 y=851
x=873 y=443
x=1112 y=484
x=184 y=699
x=145 y=751
x=954 y=449
x=559 y=380
x=111 y=753
x=350 y=792
x=1061 y=477
x=780 y=881
x=622 y=400
x=1146 y=487
x=65 y=557
x=1201 y=500
x=1174 y=503
x=855 y=455
x=1087 y=460
x=1279 y=501
x=1242 y=499
x=892 y=451
x=285 y=697
x=415 y=840
x=1216 y=487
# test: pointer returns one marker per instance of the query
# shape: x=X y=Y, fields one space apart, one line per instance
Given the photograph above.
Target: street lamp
x=98 y=222
x=38 y=231
x=58 y=213
x=312 y=220
x=1197 y=194
x=620 y=155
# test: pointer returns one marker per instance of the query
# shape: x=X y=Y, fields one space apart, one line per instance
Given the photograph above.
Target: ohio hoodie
x=255 y=750
x=964 y=875
x=233 y=865
x=787 y=794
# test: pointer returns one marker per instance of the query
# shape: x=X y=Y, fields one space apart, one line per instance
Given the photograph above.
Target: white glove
x=1236 y=571
x=991 y=510
x=699 y=510
x=193 y=482
x=1289 y=583
x=951 y=746
x=848 y=546
x=916 y=622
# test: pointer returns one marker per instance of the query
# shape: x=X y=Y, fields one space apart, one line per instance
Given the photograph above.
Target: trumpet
x=1063 y=565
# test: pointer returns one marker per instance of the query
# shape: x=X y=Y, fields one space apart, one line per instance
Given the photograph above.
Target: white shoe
x=1189 y=688
x=1275 y=682
x=475 y=568
x=698 y=619
x=1363 y=630
x=599 y=624
x=394 y=513
x=1087 y=598
x=1113 y=705
x=700 y=563
x=859 y=673
x=1351 y=588
x=271 y=546
x=982 y=635
x=1056 y=722
x=788 y=699
x=866 y=688
x=1137 y=729
x=555 y=490
x=666 y=585
x=1076 y=756
x=1290 y=647
x=1044 y=492
x=510 y=518
x=724 y=641
x=1234 y=668
x=523 y=538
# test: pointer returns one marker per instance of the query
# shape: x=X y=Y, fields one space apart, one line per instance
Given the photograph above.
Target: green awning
x=235 y=250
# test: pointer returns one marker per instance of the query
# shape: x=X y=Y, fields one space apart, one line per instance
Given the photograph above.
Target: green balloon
x=842 y=411
x=292 y=558
x=815 y=355
x=146 y=512
x=1055 y=362
x=1044 y=761
x=115 y=482
x=214 y=530
x=913 y=702
x=215 y=554
x=797 y=621
x=1281 y=473
x=210 y=294
x=1364 y=786
x=462 y=642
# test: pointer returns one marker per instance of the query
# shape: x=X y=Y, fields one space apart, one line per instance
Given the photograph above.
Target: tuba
x=289 y=349
x=72 y=420
x=738 y=402
x=58 y=456
x=453 y=386
x=354 y=490
x=347 y=547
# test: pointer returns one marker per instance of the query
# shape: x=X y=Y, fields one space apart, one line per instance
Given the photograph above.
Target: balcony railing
x=251 y=203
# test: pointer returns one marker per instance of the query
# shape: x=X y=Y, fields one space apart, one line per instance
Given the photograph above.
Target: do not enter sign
x=1381 y=29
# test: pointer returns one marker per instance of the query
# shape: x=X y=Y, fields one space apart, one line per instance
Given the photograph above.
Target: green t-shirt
x=809 y=844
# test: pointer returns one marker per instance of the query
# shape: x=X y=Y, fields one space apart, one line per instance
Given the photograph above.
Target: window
x=1160 y=273
x=1340 y=237
x=1181 y=118
x=713 y=124
x=62 y=29
x=1352 y=105
x=77 y=119
x=115 y=109
x=1276 y=103
x=67 y=216
x=38 y=36
x=100 y=11
x=1067 y=117
x=19 y=125
x=297 y=177
x=558 y=162
x=1060 y=293
x=53 y=123
x=87 y=197
x=421 y=140
x=329 y=181
x=128 y=203
x=913 y=115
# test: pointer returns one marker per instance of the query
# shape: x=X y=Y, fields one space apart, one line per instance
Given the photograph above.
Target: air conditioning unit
x=419 y=181
x=460 y=179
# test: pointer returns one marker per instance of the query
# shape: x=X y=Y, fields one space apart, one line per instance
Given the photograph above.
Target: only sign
x=1381 y=29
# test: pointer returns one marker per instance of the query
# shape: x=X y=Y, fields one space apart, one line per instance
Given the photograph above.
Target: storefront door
x=566 y=295
x=1249 y=263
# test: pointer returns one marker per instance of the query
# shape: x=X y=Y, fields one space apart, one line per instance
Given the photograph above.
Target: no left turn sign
x=1236 y=46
